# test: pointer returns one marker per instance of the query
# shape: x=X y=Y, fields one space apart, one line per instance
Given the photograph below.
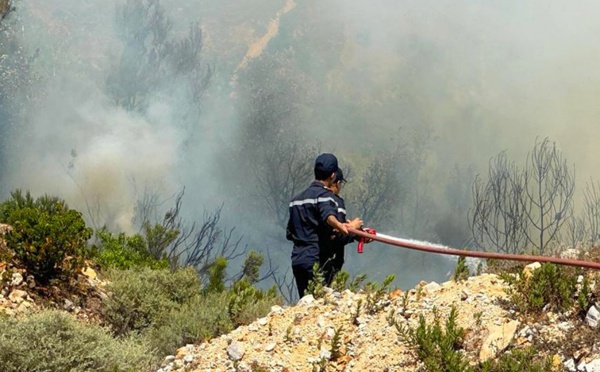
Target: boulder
x=593 y=316
x=236 y=351
x=498 y=339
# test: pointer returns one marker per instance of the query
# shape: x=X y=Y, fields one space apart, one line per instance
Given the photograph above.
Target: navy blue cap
x=339 y=176
x=325 y=165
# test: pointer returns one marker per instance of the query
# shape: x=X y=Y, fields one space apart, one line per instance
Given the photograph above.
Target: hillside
x=483 y=323
x=299 y=338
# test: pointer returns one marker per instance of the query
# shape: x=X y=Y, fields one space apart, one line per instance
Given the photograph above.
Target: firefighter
x=332 y=249
x=312 y=215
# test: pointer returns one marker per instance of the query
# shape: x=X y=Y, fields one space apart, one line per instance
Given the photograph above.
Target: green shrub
x=337 y=343
x=376 y=293
x=357 y=282
x=216 y=275
x=55 y=341
x=158 y=238
x=316 y=285
x=141 y=298
x=584 y=296
x=340 y=280
x=520 y=360
x=169 y=309
x=461 y=272
x=550 y=285
x=247 y=303
x=438 y=348
x=124 y=252
x=199 y=319
x=47 y=237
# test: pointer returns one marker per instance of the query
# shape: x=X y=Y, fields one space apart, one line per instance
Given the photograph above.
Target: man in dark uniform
x=332 y=250
x=312 y=215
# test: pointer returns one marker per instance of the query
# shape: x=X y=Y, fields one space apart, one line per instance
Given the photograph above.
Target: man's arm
x=341 y=227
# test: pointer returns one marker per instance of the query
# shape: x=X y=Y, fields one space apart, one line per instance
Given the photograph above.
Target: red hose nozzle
x=362 y=241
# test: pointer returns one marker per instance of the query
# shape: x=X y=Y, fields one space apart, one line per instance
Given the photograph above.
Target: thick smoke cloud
x=465 y=80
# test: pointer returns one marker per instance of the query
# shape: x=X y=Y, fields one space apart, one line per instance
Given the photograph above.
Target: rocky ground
x=299 y=338
x=20 y=294
x=304 y=337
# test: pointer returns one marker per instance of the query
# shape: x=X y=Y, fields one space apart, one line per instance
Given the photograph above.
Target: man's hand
x=344 y=228
x=355 y=223
x=337 y=225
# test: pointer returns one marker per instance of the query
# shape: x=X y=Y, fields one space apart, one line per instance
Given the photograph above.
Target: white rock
x=68 y=305
x=253 y=328
x=330 y=332
x=306 y=300
x=570 y=365
x=188 y=358
x=325 y=354
x=169 y=358
x=498 y=339
x=263 y=321
x=593 y=366
x=432 y=287
x=276 y=309
x=17 y=279
x=593 y=317
x=236 y=351
x=529 y=269
x=270 y=346
x=321 y=321
x=17 y=296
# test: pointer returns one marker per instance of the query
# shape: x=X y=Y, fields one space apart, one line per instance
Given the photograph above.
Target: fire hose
x=366 y=235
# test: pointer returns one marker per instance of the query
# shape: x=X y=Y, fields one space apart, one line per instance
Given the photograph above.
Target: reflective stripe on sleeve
x=312 y=201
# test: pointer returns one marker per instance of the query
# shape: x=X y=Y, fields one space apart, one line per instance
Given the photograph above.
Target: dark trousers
x=303 y=274
x=331 y=265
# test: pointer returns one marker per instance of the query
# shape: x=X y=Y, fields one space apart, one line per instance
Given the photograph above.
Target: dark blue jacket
x=307 y=226
x=334 y=248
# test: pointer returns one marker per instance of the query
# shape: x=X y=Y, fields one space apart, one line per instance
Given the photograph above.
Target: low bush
x=55 y=341
x=199 y=319
x=550 y=285
x=48 y=238
x=247 y=303
x=124 y=252
x=520 y=360
x=170 y=309
x=376 y=294
x=461 y=272
x=142 y=298
x=439 y=348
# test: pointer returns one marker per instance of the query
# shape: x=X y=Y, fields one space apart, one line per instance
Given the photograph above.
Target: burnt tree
x=497 y=218
x=549 y=185
x=519 y=208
